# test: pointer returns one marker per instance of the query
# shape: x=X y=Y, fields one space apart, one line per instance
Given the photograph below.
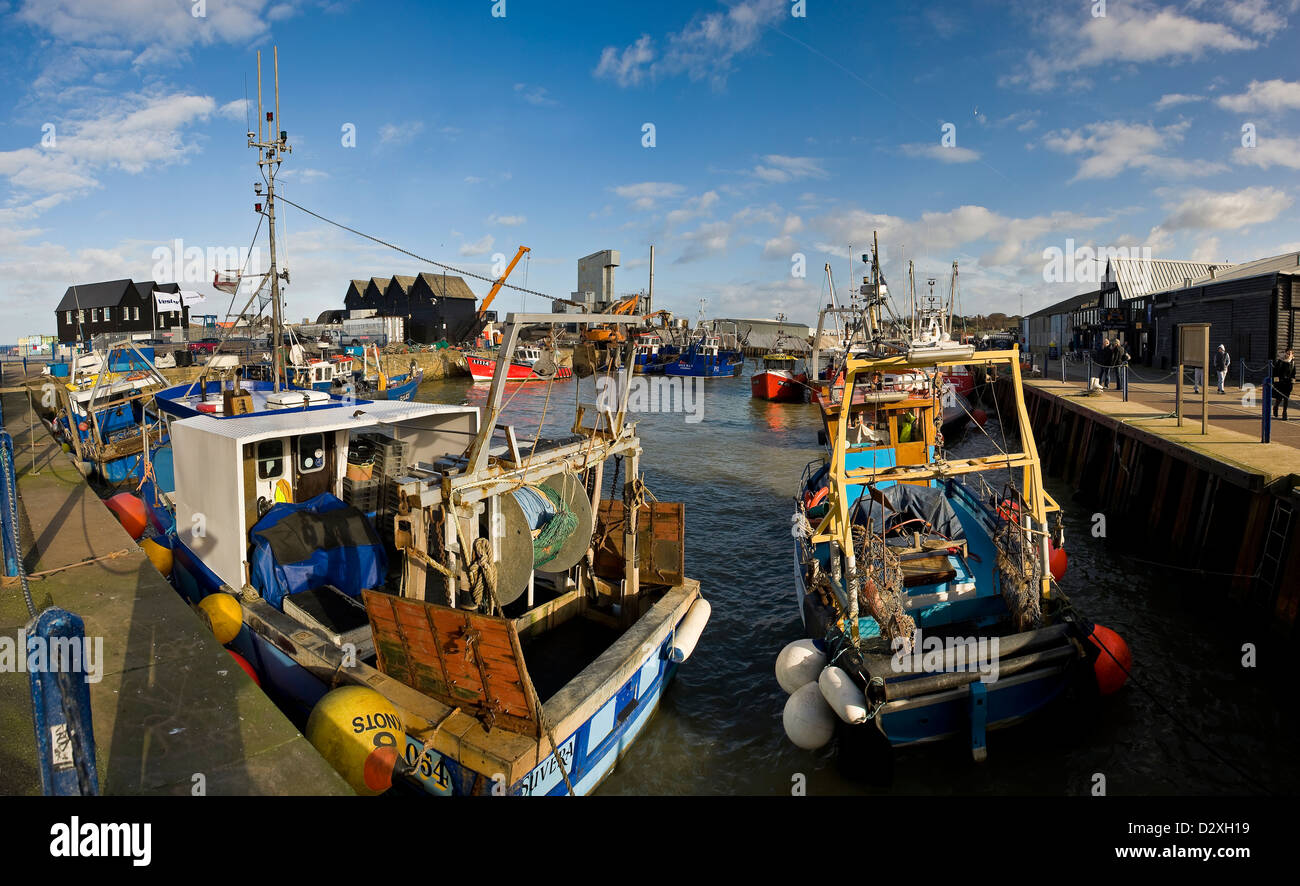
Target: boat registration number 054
x=432 y=770
x=547 y=775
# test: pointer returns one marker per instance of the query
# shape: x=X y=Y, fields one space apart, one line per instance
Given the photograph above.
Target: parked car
x=205 y=345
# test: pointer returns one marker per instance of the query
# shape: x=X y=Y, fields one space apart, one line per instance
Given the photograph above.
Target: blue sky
x=776 y=134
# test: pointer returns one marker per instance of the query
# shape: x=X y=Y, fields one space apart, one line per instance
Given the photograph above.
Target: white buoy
x=799 y=664
x=843 y=695
x=808 y=719
x=688 y=632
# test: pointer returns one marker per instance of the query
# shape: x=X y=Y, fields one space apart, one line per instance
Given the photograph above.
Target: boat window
x=311 y=453
x=270 y=459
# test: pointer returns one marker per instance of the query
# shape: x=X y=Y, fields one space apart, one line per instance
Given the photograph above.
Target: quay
x=171 y=703
x=1219 y=507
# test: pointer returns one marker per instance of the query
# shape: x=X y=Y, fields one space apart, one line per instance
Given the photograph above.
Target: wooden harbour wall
x=1236 y=527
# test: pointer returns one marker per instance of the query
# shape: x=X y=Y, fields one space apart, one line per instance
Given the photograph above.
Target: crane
x=605 y=333
x=496 y=287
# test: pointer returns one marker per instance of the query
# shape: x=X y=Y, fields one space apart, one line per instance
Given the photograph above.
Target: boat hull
x=483 y=368
x=778 y=387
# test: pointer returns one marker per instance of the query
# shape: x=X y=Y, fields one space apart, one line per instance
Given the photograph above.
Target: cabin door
x=313 y=465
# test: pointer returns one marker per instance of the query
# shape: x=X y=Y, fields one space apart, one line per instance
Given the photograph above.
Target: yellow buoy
x=159 y=555
x=223 y=615
x=360 y=734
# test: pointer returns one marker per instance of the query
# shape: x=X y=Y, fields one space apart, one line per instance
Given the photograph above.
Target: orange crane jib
x=496 y=287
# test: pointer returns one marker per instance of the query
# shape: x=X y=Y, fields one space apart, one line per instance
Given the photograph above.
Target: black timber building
x=115 y=307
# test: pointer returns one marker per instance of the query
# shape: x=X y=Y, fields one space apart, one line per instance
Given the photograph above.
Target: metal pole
x=1123 y=380
x=1266 y=428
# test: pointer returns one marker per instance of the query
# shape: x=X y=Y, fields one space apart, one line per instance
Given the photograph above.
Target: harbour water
x=1204 y=724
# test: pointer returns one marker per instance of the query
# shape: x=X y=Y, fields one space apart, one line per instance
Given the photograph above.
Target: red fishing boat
x=522 y=368
x=778 y=380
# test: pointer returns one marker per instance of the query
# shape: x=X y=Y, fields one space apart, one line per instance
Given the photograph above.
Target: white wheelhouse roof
x=359 y=416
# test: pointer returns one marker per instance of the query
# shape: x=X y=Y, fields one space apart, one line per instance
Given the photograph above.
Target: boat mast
x=270 y=151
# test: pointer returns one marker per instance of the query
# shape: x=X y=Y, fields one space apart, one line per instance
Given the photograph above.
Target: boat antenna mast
x=270 y=151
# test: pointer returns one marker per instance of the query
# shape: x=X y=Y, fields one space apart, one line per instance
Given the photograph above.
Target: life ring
x=812 y=500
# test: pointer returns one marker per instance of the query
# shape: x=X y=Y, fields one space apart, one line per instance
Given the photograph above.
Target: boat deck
x=171 y=703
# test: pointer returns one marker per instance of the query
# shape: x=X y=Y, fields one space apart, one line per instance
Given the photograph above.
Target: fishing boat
x=453 y=610
x=780 y=380
x=926 y=582
x=645 y=354
x=375 y=383
x=704 y=358
x=531 y=364
x=104 y=411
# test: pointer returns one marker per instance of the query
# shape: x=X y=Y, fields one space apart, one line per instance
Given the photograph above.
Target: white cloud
x=479 y=247
x=535 y=95
x=508 y=221
x=399 y=133
x=778 y=168
x=942 y=153
x=1271 y=151
x=1258 y=16
x=695 y=207
x=1137 y=32
x=703 y=50
x=1173 y=99
x=1111 y=147
x=473 y=180
x=1226 y=210
x=149 y=22
x=645 y=195
x=1268 y=95
x=707 y=240
x=239 y=109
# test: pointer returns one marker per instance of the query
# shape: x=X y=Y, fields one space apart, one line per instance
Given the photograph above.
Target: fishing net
x=880 y=585
x=1020 y=573
x=556 y=531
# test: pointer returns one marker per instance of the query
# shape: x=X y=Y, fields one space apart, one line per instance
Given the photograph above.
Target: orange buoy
x=130 y=512
x=1057 y=560
x=243 y=663
x=82 y=426
x=1114 y=661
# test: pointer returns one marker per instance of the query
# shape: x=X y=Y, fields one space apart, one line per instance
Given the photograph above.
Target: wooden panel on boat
x=464 y=659
x=661 y=541
x=927 y=570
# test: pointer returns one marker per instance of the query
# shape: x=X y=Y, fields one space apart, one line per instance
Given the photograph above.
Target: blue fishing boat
x=103 y=411
x=704 y=358
x=926 y=583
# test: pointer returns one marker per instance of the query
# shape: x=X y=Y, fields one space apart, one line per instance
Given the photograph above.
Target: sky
x=750 y=141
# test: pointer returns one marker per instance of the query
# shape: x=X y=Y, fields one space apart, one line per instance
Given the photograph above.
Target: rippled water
x=719 y=730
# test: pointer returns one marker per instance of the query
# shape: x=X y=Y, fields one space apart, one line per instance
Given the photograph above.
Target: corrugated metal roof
x=257 y=426
x=1139 y=276
x=1287 y=262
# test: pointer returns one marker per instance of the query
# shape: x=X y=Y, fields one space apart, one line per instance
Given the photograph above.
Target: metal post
x=1123 y=379
x=1266 y=428
x=1241 y=373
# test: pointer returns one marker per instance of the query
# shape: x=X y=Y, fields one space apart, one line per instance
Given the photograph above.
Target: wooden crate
x=661 y=542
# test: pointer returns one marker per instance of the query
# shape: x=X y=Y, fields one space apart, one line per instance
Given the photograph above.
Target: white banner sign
x=166 y=301
x=192 y=297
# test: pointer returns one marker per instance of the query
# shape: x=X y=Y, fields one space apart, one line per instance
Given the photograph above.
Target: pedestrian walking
x=1103 y=363
x=1221 y=363
x=1283 y=381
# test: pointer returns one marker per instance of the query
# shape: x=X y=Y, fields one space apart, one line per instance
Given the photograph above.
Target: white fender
x=688 y=632
x=843 y=695
x=799 y=664
x=807 y=718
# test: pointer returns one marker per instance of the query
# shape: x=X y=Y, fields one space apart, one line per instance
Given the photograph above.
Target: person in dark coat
x=1221 y=361
x=1283 y=381
x=1106 y=360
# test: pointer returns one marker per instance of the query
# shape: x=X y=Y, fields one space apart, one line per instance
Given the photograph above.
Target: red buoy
x=377 y=770
x=1114 y=661
x=243 y=663
x=1057 y=560
x=130 y=512
x=82 y=426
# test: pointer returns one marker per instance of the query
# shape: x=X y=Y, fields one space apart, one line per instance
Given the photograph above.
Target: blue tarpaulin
x=322 y=541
